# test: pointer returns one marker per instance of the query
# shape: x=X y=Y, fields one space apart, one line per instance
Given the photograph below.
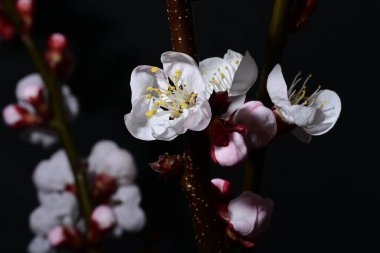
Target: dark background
x=326 y=193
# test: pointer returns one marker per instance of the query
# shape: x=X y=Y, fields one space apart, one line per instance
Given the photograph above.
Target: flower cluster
x=111 y=173
x=247 y=215
x=31 y=113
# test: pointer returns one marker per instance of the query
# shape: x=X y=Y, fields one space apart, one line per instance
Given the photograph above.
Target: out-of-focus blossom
x=234 y=73
x=32 y=113
x=314 y=115
x=129 y=215
x=168 y=102
x=63 y=211
x=58 y=56
x=40 y=244
x=53 y=174
x=25 y=9
x=103 y=218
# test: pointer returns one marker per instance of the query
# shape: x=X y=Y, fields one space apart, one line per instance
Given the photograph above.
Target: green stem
x=276 y=40
x=59 y=121
x=196 y=182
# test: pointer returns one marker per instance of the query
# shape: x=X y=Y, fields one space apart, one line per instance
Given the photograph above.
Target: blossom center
x=173 y=100
x=221 y=79
x=297 y=97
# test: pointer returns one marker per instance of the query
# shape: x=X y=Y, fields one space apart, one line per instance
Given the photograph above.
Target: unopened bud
x=19 y=117
x=103 y=218
x=61 y=237
x=167 y=164
x=302 y=13
x=57 y=42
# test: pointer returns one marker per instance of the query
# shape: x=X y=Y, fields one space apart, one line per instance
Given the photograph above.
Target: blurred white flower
x=53 y=174
x=103 y=217
x=129 y=215
x=168 y=102
x=32 y=111
x=40 y=244
x=62 y=211
x=234 y=73
x=107 y=158
x=314 y=115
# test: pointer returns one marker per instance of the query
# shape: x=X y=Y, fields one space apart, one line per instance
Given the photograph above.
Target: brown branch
x=196 y=179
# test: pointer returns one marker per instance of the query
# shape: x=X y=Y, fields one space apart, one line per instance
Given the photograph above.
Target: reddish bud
x=57 y=42
x=61 y=237
x=19 y=117
x=167 y=164
x=219 y=103
x=302 y=13
x=103 y=219
x=25 y=7
x=7 y=30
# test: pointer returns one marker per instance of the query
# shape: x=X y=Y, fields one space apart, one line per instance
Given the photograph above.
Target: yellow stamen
x=154 y=69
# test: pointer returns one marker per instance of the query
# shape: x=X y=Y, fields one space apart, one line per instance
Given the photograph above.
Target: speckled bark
x=196 y=182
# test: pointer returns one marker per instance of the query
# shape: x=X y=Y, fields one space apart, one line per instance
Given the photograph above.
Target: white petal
x=331 y=110
x=199 y=117
x=209 y=68
x=120 y=165
x=129 y=194
x=98 y=152
x=245 y=76
x=191 y=75
x=39 y=244
x=53 y=174
x=236 y=102
x=71 y=102
x=233 y=59
x=277 y=88
x=29 y=86
x=244 y=212
x=302 y=115
x=129 y=217
x=40 y=136
x=234 y=153
x=301 y=135
x=142 y=77
x=140 y=126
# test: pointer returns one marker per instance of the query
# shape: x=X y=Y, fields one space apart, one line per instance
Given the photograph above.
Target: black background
x=326 y=193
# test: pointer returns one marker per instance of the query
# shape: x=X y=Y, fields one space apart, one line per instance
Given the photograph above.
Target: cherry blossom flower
x=168 y=102
x=314 y=115
x=234 y=73
x=32 y=112
x=107 y=158
x=53 y=174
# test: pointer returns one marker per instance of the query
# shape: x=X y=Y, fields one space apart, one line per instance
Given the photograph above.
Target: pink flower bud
x=103 y=218
x=57 y=42
x=31 y=90
x=224 y=187
x=260 y=122
x=62 y=237
x=249 y=215
x=231 y=155
x=57 y=236
x=19 y=117
x=25 y=7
